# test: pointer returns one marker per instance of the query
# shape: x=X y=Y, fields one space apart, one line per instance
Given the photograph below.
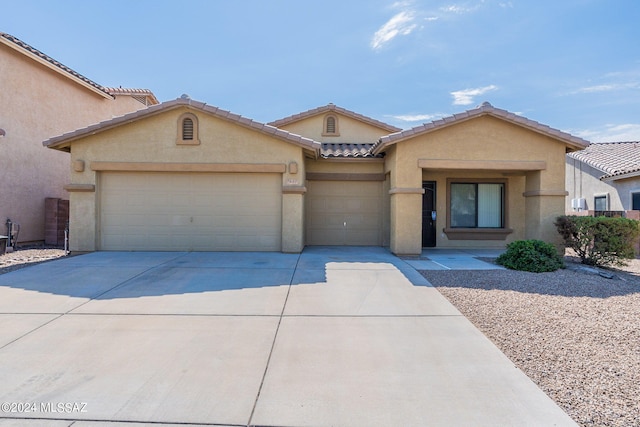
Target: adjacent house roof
x=44 y=59
x=486 y=109
x=333 y=108
x=144 y=96
x=616 y=160
x=63 y=142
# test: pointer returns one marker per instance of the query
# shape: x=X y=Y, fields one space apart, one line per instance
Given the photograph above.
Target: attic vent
x=187 y=129
x=141 y=99
x=330 y=126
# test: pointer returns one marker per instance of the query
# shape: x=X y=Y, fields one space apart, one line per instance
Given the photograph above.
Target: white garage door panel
x=344 y=213
x=190 y=211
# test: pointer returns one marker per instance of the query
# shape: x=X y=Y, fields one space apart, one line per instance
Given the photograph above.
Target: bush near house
x=535 y=256
x=599 y=240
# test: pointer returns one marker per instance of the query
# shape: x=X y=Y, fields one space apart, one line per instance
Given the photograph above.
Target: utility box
x=56 y=212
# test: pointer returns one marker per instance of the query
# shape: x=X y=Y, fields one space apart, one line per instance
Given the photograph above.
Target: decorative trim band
x=87 y=188
x=294 y=189
x=491 y=165
x=188 y=167
x=553 y=193
x=398 y=190
x=326 y=176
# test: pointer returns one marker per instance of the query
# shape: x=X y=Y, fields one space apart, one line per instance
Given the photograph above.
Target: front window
x=635 y=201
x=600 y=203
x=477 y=205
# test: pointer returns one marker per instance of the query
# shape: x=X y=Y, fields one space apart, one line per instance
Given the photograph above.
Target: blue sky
x=571 y=64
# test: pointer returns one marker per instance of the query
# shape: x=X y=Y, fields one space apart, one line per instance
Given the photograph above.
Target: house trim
x=327 y=176
x=493 y=165
x=188 y=167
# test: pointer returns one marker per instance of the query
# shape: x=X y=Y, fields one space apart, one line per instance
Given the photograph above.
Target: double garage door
x=159 y=211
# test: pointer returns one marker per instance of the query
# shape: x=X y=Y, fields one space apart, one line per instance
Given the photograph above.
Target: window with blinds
x=477 y=205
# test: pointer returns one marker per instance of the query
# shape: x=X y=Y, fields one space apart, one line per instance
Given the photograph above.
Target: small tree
x=599 y=240
x=535 y=256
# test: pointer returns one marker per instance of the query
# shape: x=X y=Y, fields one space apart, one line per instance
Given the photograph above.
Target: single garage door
x=158 y=211
x=344 y=213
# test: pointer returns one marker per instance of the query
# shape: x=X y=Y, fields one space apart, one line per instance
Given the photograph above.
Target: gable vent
x=187 y=129
x=331 y=125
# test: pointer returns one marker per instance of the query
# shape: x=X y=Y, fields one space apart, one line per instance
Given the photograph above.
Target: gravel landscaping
x=24 y=257
x=576 y=334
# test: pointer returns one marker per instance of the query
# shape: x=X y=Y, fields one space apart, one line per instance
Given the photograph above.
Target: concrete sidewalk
x=330 y=337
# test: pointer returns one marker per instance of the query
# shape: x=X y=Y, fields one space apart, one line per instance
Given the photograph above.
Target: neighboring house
x=39 y=98
x=183 y=175
x=604 y=177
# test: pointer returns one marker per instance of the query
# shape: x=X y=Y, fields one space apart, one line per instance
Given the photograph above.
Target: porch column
x=542 y=207
x=406 y=221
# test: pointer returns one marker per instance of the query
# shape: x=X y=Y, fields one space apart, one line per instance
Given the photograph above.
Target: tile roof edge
x=45 y=59
x=332 y=107
x=483 y=109
x=68 y=137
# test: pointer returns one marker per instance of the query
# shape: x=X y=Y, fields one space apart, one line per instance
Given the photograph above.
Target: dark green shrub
x=535 y=256
x=599 y=240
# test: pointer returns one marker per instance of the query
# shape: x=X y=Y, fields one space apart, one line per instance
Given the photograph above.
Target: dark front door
x=429 y=214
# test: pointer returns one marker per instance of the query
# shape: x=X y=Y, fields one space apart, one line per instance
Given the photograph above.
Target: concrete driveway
x=330 y=337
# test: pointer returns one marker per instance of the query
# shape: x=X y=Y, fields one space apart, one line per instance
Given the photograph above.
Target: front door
x=429 y=214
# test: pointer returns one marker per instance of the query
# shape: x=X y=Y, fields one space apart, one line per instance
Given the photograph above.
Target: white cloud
x=466 y=96
x=612 y=133
x=400 y=24
x=461 y=9
x=418 y=117
x=608 y=87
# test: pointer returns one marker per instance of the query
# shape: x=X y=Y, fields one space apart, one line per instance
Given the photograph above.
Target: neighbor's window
x=330 y=126
x=600 y=203
x=188 y=130
x=477 y=205
x=635 y=201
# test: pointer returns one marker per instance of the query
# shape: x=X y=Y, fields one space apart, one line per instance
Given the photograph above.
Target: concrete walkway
x=330 y=337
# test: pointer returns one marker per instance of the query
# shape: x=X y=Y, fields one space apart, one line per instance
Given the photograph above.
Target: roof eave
x=571 y=142
x=54 y=68
x=63 y=142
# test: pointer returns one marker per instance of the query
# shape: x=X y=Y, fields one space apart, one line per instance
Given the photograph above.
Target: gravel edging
x=576 y=335
x=26 y=257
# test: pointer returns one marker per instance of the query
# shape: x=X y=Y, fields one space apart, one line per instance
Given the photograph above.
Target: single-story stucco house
x=604 y=177
x=184 y=175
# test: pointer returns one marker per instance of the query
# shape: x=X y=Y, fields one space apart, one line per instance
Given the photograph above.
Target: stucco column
x=293 y=219
x=406 y=221
x=542 y=207
x=82 y=225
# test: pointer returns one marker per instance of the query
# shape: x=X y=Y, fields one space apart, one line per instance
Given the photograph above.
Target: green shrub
x=535 y=256
x=599 y=240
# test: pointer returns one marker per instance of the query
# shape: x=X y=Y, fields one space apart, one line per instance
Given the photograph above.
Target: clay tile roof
x=143 y=93
x=33 y=51
x=333 y=108
x=29 y=50
x=332 y=150
x=615 y=159
x=484 y=109
x=62 y=142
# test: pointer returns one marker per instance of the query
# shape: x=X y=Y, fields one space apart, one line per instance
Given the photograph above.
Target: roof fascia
x=332 y=108
x=62 y=142
x=391 y=139
x=52 y=67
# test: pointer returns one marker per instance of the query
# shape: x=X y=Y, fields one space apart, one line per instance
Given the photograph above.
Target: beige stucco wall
x=350 y=130
x=38 y=103
x=487 y=139
x=583 y=181
x=153 y=140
